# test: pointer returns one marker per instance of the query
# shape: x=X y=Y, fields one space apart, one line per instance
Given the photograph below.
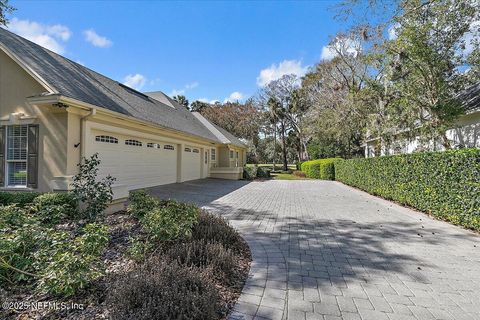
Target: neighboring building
x=54 y=111
x=464 y=134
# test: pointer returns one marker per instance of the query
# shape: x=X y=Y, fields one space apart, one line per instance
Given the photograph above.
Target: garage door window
x=153 y=145
x=107 y=139
x=196 y=151
x=133 y=143
x=188 y=150
x=168 y=147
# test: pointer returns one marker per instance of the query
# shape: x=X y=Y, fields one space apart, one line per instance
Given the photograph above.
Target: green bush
x=299 y=165
x=19 y=198
x=56 y=262
x=51 y=208
x=141 y=203
x=444 y=184
x=263 y=172
x=250 y=172
x=161 y=289
x=172 y=220
x=320 y=169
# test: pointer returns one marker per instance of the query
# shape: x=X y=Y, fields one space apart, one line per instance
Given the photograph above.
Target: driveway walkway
x=322 y=250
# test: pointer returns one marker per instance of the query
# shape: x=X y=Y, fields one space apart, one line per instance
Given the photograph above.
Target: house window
x=236 y=154
x=196 y=151
x=168 y=147
x=131 y=142
x=206 y=157
x=153 y=145
x=188 y=150
x=16 y=155
x=231 y=154
x=107 y=139
x=213 y=155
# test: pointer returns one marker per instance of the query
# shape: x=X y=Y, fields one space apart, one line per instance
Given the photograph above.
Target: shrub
x=51 y=208
x=299 y=165
x=141 y=203
x=203 y=254
x=263 y=172
x=215 y=229
x=163 y=290
x=139 y=248
x=54 y=261
x=19 y=198
x=320 y=169
x=94 y=194
x=299 y=174
x=170 y=221
x=444 y=184
x=250 y=172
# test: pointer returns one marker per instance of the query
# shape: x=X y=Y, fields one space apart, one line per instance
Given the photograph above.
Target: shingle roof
x=75 y=81
x=470 y=98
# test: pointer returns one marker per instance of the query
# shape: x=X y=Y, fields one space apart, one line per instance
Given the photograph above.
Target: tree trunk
x=274 y=144
x=284 y=147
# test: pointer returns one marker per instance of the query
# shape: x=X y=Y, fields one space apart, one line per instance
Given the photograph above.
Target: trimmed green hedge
x=320 y=169
x=19 y=198
x=444 y=184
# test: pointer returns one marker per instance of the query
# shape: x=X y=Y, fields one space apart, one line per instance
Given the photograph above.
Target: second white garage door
x=191 y=163
x=134 y=162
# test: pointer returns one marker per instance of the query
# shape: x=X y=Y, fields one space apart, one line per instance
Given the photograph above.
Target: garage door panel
x=191 y=164
x=136 y=166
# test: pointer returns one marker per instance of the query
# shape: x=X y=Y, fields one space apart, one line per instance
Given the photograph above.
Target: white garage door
x=191 y=163
x=134 y=162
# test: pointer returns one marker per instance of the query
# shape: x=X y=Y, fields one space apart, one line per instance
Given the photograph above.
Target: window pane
x=17 y=173
x=17 y=143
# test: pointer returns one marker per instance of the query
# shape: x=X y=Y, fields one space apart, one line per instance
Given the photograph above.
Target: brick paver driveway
x=322 y=250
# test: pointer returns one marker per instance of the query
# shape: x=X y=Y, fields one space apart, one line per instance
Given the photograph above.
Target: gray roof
x=75 y=81
x=470 y=98
x=234 y=140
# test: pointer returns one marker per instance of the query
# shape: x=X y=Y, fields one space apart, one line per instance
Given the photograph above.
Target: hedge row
x=19 y=198
x=444 y=184
x=320 y=169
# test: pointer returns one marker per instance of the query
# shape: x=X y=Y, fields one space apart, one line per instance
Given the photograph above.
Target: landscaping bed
x=62 y=258
x=138 y=263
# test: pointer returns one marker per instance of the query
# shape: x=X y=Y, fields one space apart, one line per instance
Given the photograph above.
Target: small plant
x=93 y=195
x=159 y=289
x=141 y=203
x=214 y=229
x=51 y=208
x=139 y=248
x=300 y=174
x=171 y=221
x=21 y=199
x=263 y=172
x=250 y=172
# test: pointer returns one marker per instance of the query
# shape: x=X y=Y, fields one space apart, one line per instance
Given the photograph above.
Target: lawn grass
x=286 y=176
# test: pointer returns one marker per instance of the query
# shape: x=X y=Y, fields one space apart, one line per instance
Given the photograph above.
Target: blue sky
x=204 y=50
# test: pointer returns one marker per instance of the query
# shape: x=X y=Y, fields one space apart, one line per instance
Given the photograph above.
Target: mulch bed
x=93 y=299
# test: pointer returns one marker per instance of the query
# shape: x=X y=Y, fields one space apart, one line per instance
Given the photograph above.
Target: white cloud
x=345 y=45
x=275 y=71
x=187 y=87
x=392 y=31
x=136 y=81
x=205 y=100
x=96 y=40
x=48 y=36
x=234 y=97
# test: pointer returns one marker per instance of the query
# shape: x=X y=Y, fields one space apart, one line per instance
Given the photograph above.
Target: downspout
x=83 y=121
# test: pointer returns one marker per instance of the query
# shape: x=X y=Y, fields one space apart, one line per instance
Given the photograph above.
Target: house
x=54 y=111
x=464 y=134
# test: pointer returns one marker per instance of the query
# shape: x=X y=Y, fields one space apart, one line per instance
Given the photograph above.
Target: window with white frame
x=231 y=154
x=188 y=150
x=236 y=154
x=153 y=145
x=108 y=139
x=16 y=150
x=168 y=147
x=213 y=155
x=131 y=142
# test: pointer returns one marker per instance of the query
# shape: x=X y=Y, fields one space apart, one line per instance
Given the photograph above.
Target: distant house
x=54 y=111
x=464 y=134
